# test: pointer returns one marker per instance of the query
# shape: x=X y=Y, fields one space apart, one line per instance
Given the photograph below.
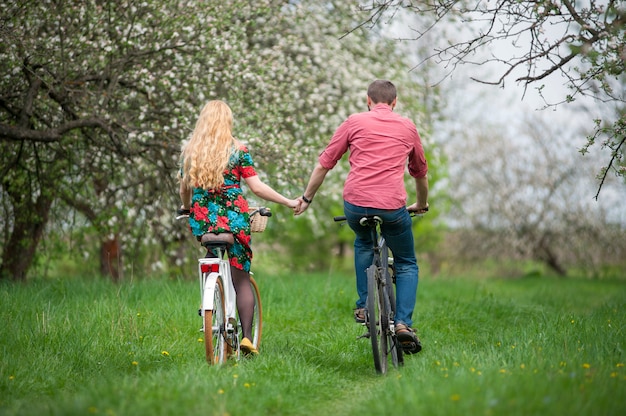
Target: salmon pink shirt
x=380 y=144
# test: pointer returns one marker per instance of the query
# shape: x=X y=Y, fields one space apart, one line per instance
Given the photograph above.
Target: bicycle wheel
x=393 y=344
x=385 y=320
x=214 y=326
x=373 y=319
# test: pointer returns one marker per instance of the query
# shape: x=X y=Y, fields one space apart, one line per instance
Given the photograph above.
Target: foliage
x=525 y=199
x=515 y=347
x=97 y=96
x=582 y=42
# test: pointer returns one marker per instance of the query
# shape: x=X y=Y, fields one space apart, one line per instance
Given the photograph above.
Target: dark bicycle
x=380 y=307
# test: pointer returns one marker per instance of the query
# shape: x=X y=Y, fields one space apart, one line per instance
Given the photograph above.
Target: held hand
x=293 y=204
x=301 y=207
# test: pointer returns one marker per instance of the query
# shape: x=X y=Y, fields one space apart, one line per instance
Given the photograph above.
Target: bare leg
x=245 y=300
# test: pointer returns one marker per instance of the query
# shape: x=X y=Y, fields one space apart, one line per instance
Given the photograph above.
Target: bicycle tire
x=215 y=322
x=397 y=354
x=373 y=319
x=385 y=321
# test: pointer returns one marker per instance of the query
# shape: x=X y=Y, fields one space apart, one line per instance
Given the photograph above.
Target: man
x=380 y=144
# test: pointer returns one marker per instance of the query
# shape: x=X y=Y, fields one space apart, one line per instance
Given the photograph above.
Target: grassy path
x=536 y=346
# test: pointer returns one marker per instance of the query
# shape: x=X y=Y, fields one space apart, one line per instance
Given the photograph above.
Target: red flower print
x=242 y=203
x=248 y=171
x=199 y=212
x=234 y=261
x=243 y=237
x=222 y=222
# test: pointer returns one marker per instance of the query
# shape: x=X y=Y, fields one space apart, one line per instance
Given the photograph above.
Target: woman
x=213 y=164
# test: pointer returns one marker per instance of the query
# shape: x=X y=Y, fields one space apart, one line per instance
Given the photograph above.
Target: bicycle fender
x=210 y=285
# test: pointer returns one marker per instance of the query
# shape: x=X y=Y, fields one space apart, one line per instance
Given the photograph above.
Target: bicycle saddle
x=214 y=240
x=370 y=220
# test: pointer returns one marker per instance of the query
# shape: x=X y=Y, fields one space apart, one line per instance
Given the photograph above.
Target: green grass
x=491 y=347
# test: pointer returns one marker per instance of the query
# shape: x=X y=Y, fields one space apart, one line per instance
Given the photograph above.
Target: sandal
x=407 y=339
x=359 y=315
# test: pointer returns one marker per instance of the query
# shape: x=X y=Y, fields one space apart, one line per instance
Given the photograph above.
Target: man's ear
x=369 y=101
x=394 y=102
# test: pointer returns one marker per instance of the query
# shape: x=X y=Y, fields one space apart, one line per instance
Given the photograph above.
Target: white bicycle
x=218 y=308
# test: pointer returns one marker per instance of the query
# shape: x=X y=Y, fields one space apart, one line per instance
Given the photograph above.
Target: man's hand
x=418 y=208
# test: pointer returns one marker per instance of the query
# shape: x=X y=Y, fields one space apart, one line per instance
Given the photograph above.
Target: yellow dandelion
x=165 y=353
x=235 y=375
x=562 y=364
x=586 y=365
x=246 y=385
x=220 y=391
x=503 y=371
x=135 y=363
x=614 y=374
x=200 y=340
x=472 y=369
x=573 y=321
x=92 y=409
x=11 y=377
x=498 y=344
x=455 y=397
x=620 y=365
x=479 y=373
x=522 y=366
x=138 y=314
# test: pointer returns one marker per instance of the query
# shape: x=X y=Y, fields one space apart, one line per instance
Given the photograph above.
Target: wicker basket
x=257 y=221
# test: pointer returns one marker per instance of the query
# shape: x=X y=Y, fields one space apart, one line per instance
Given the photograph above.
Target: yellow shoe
x=247 y=348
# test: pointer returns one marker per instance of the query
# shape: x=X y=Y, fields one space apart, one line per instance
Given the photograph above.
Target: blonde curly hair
x=206 y=154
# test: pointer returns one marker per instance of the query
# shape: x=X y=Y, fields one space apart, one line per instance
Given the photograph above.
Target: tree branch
x=13 y=133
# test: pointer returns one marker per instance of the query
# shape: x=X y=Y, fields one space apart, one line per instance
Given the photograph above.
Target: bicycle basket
x=257 y=221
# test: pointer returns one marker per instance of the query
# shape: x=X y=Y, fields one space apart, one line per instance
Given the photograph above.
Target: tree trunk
x=111 y=259
x=18 y=254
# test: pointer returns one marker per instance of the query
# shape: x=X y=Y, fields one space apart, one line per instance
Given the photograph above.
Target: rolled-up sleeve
x=418 y=167
x=337 y=147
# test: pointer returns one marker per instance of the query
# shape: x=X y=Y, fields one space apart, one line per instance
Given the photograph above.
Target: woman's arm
x=260 y=189
x=185 y=195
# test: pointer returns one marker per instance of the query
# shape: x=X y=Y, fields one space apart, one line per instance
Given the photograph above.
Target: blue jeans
x=396 y=229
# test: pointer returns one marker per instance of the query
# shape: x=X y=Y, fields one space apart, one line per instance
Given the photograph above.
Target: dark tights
x=245 y=300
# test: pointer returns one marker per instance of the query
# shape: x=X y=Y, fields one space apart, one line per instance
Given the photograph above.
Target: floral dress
x=226 y=209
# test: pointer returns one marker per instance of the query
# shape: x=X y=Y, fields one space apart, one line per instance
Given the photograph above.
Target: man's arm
x=315 y=181
x=421 y=187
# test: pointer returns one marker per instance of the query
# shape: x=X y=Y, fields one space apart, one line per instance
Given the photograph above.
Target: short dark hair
x=382 y=91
